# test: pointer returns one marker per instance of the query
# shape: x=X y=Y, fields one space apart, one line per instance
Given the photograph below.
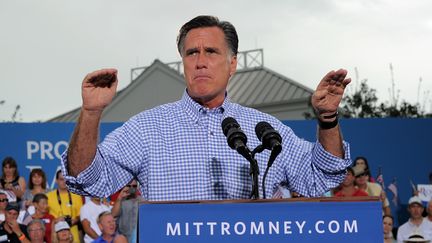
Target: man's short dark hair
x=202 y=21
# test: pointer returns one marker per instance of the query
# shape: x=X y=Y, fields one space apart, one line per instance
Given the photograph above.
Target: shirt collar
x=195 y=110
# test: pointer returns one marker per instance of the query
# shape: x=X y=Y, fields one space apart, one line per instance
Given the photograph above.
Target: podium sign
x=276 y=221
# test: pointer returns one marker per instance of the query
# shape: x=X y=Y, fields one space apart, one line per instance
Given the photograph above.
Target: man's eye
x=191 y=53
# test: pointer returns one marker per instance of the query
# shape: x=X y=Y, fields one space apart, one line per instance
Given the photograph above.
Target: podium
x=356 y=219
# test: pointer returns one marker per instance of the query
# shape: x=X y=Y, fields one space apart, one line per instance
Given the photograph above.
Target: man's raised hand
x=98 y=89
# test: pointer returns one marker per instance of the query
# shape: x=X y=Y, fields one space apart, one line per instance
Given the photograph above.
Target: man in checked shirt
x=178 y=151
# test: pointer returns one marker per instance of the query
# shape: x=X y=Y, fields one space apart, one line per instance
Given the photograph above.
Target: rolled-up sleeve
x=117 y=160
x=309 y=169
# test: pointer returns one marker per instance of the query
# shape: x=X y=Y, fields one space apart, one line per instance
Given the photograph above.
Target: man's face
x=61 y=182
x=208 y=65
x=11 y=216
x=3 y=201
x=108 y=225
x=415 y=210
x=36 y=232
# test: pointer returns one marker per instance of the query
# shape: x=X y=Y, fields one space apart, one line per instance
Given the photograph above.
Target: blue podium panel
x=261 y=222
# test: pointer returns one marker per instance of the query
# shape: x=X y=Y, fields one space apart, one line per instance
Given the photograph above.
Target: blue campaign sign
x=39 y=145
x=260 y=222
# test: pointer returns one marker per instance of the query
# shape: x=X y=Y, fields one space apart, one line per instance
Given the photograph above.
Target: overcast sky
x=48 y=46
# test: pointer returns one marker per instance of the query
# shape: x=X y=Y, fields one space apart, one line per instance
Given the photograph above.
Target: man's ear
x=233 y=65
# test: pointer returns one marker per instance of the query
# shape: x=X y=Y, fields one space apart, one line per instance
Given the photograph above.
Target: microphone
x=237 y=140
x=235 y=136
x=270 y=139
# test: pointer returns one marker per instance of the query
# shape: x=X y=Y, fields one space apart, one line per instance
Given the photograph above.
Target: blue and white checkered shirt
x=178 y=151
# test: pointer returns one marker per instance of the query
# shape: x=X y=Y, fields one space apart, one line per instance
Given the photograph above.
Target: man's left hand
x=328 y=94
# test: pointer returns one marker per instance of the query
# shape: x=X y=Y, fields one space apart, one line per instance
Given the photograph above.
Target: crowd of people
x=31 y=212
x=37 y=214
x=359 y=182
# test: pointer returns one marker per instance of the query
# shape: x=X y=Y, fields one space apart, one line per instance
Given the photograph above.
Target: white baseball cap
x=415 y=199
x=61 y=225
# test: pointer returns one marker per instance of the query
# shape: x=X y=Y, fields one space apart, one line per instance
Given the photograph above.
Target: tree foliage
x=363 y=103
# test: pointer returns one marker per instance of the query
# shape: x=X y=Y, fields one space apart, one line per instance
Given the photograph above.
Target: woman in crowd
x=363 y=163
x=61 y=233
x=10 y=181
x=36 y=184
x=388 y=226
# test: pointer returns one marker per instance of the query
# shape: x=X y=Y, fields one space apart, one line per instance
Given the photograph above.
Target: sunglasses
x=135 y=186
x=4 y=200
x=364 y=174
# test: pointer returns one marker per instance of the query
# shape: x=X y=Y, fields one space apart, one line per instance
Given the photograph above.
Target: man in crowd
x=65 y=205
x=416 y=223
x=107 y=226
x=125 y=209
x=10 y=229
x=177 y=151
x=3 y=203
x=429 y=211
x=89 y=214
x=36 y=231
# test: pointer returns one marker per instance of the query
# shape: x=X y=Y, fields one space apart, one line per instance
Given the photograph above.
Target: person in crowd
x=387 y=229
x=66 y=205
x=416 y=224
x=429 y=211
x=3 y=203
x=362 y=162
x=142 y=147
x=372 y=189
x=10 y=229
x=40 y=203
x=62 y=232
x=125 y=210
x=36 y=231
x=89 y=215
x=107 y=225
x=10 y=181
x=348 y=187
x=416 y=238
x=37 y=183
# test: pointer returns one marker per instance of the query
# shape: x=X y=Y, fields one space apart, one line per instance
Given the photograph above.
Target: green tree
x=363 y=103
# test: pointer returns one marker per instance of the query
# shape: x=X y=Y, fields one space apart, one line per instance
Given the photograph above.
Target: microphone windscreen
x=260 y=128
x=228 y=123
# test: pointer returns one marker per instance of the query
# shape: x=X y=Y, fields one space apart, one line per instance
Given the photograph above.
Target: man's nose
x=201 y=61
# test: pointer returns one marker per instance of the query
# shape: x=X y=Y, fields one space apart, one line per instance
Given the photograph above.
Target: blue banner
x=354 y=222
x=39 y=145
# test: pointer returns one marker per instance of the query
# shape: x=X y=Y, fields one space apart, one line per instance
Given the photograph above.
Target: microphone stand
x=254 y=169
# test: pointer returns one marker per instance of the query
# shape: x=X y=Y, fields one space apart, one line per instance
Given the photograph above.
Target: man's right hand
x=98 y=89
